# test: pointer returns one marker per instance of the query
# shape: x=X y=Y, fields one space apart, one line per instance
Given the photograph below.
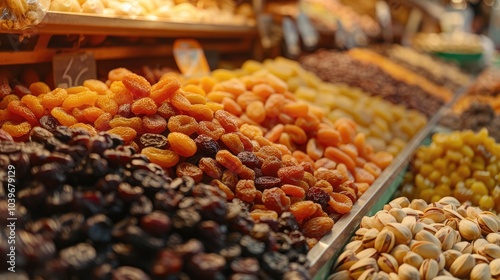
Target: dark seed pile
x=89 y=207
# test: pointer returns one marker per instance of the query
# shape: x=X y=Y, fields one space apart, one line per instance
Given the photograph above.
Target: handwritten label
x=72 y=69
x=190 y=58
x=308 y=33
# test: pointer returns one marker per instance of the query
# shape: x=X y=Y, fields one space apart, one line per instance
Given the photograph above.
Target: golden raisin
x=317 y=227
x=126 y=133
x=276 y=199
x=189 y=169
x=210 y=167
x=182 y=144
x=164 y=158
x=229 y=161
x=245 y=190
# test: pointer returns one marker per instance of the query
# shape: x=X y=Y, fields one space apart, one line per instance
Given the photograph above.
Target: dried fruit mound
x=249 y=136
x=463 y=164
x=89 y=207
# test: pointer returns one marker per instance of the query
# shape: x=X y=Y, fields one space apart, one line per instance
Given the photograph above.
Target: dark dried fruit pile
x=90 y=208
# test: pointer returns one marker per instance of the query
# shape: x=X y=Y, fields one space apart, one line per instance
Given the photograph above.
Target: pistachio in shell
x=493 y=215
x=367 y=253
x=369 y=274
x=441 y=261
x=411 y=212
x=495 y=268
x=361 y=266
x=447 y=237
x=418 y=204
x=402 y=234
x=399 y=252
x=493 y=238
x=463 y=247
x=381 y=219
x=412 y=224
x=400 y=201
x=427 y=236
x=387 y=263
x=366 y=222
x=490 y=251
x=393 y=276
x=487 y=224
x=449 y=200
x=480 y=259
x=356 y=246
x=408 y=272
x=339 y=275
x=450 y=256
x=429 y=269
x=426 y=249
x=477 y=244
x=473 y=212
x=469 y=230
x=453 y=223
x=428 y=227
x=369 y=237
x=445 y=277
x=435 y=214
x=480 y=272
x=413 y=259
x=345 y=260
x=451 y=213
x=383 y=275
x=427 y=221
x=398 y=214
x=358 y=235
x=385 y=241
x=462 y=266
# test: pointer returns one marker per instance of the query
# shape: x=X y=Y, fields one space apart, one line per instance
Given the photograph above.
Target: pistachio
x=427 y=221
x=495 y=268
x=426 y=249
x=366 y=222
x=478 y=243
x=413 y=259
x=361 y=266
x=402 y=234
x=412 y=224
x=427 y=236
x=463 y=247
x=493 y=215
x=369 y=237
x=398 y=214
x=442 y=277
x=410 y=212
x=418 y=204
x=340 y=275
x=429 y=228
x=382 y=219
x=450 y=256
x=473 y=212
x=493 y=238
x=429 y=269
x=450 y=207
x=367 y=253
x=436 y=204
x=490 y=251
x=450 y=213
x=487 y=223
x=399 y=252
x=469 y=230
x=393 y=276
x=480 y=272
x=438 y=226
x=452 y=222
x=480 y=259
x=449 y=200
x=435 y=214
x=408 y=272
x=462 y=210
x=383 y=275
x=370 y=274
x=441 y=261
x=358 y=235
x=446 y=273
x=447 y=237
x=345 y=261
x=356 y=246
x=387 y=263
x=401 y=201
x=385 y=241
x=462 y=266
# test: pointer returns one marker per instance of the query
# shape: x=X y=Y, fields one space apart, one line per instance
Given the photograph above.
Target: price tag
x=309 y=34
x=291 y=37
x=72 y=69
x=190 y=58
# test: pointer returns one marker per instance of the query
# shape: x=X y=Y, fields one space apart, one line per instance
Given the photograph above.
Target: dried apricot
x=296 y=109
x=201 y=112
x=90 y=129
x=363 y=176
x=230 y=179
x=340 y=203
x=255 y=111
x=38 y=88
x=210 y=167
x=245 y=190
x=97 y=86
x=224 y=188
x=231 y=106
x=126 y=133
x=229 y=161
x=275 y=199
x=121 y=94
x=247 y=173
x=16 y=130
x=183 y=124
x=17 y=108
x=303 y=210
x=118 y=74
x=166 y=110
x=274 y=133
x=91 y=114
x=137 y=85
x=189 y=169
x=54 y=98
x=164 y=158
x=212 y=129
x=228 y=121
x=233 y=142
x=293 y=190
x=134 y=123
x=144 y=106
x=107 y=104
x=263 y=90
x=79 y=99
x=180 y=102
x=338 y=156
x=297 y=134
x=317 y=227
x=182 y=144
x=102 y=122
x=34 y=104
x=7 y=99
x=154 y=123
x=251 y=131
x=261 y=215
x=382 y=159
x=291 y=174
x=328 y=137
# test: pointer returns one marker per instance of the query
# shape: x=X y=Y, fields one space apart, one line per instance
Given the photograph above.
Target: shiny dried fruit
x=182 y=144
x=146 y=106
x=245 y=190
x=137 y=85
x=164 y=158
x=317 y=227
x=229 y=161
x=276 y=199
x=183 y=124
x=164 y=89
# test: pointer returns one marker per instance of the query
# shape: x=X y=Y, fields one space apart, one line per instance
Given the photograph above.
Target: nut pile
x=387 y=126
x=416 y=240
x=377 y=76
x=463 y=164
x=249 y=136
x=89 y=207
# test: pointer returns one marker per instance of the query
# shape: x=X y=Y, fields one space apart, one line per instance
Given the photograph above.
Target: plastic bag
x=22 y=14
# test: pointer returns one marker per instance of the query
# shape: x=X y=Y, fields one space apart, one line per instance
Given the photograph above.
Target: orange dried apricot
x=183 y=124
x=126 y=133
x=7 y=99
x=293 y=190
x=382 y=159
x=224 y=188
x=54 y=98
x=340 y=203
x=317 y=227
x=214 y=106
x=78 y=114
x=39 y=88
x=363 y=176
x=91 y=114
x=251 y=131
x=180 y=102
x=182 y=144
x=144 y=106
x=339 y=156
x=190 y=170
x=195 y=89
x=63 y=117
x=164 y=89
x=274 y=133
x=212 y=129
x=121 y=94
x=256 y=112
x=16 y=130
x=195 y=98
x=274 y=105
x=90 y=129
x=137 y=85
x=97 y=86
x=77 y=89
x=233 y=142
x=263 y=90
x=297 y=134
x=275 y=199
x=229 y=161
x=296 y=109
x=80 y=99
x=34 y=104
x=328 y=137
x=210 y=167
x=164 y=158
x=227 y=120
x=15 y=107
x=201 y=112
x=372 y=168
x=245 y=190
x=302 y=210
x=118 y=74
x=135 y=123
x=102 y=122
x=231 y=106
x=166 y=110
x=107 y=104
x=350 y=150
